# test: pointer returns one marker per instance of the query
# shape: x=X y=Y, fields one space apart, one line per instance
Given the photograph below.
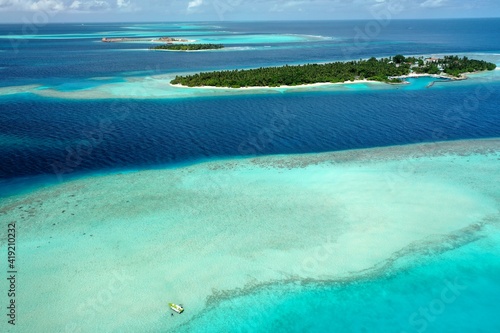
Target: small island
x=188 y=47
x=171 y=40
x=142 y=39
x=389 y=70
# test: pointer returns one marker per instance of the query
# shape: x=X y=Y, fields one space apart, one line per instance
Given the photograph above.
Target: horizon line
x=265 y=20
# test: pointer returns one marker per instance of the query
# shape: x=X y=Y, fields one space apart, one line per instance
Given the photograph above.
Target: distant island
x=142 y=39
x=188 y=47
x=388 y=70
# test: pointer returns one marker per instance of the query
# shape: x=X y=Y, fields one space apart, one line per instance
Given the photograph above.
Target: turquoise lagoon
x=157 y=86
x=164 y=207
x=359 y=241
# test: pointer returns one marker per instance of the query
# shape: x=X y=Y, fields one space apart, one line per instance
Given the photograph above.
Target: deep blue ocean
x=38 y=134
x=46 y=140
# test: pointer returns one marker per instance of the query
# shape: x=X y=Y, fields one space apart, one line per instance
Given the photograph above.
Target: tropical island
x=188 y=47
x=142 y=39
x=389 y=70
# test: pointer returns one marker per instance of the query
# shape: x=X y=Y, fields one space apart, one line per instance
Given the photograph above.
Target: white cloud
x=6 y=3
x=281 y=7
x=251 y=9
x=122 y=3
x=67 y=5
x=75 y=5
x=98 y=4
x=89 y=5
x=433 y=3
x=194 y=4
x=45 y=5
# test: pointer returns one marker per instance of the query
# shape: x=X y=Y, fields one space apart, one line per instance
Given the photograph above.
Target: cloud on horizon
x=213 y=10
x=433 y=3
x=194 y=4
x=63 y=5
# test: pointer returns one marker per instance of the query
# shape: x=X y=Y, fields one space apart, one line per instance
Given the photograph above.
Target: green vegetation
x=399 y=59
x=455 y=66
x=188 y=47
x=371 y=69
x=383 y=70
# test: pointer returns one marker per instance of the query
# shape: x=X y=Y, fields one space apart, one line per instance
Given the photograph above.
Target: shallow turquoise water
x=419 y=83
x=68 y=85
x=258 y=39
x=457 y=291
x=354 y=241
x=226 y=243
x=154 y=26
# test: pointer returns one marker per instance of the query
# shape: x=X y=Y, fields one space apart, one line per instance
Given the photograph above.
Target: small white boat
x=176 y=308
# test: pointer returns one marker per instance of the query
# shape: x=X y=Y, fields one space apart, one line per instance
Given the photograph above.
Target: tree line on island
x=188 y=47
x=454 y=66
x=383 y=70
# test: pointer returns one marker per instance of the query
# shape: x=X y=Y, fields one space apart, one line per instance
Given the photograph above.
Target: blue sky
x=215 y=10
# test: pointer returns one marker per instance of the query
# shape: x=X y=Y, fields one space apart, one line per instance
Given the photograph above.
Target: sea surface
x=77 y=115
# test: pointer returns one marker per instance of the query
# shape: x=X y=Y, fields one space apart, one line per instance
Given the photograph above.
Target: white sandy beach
x=159 y=86
x=322 y=84
x=311 y=85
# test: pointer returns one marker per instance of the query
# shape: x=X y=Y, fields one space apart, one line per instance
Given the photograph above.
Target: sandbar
x=108 y=252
